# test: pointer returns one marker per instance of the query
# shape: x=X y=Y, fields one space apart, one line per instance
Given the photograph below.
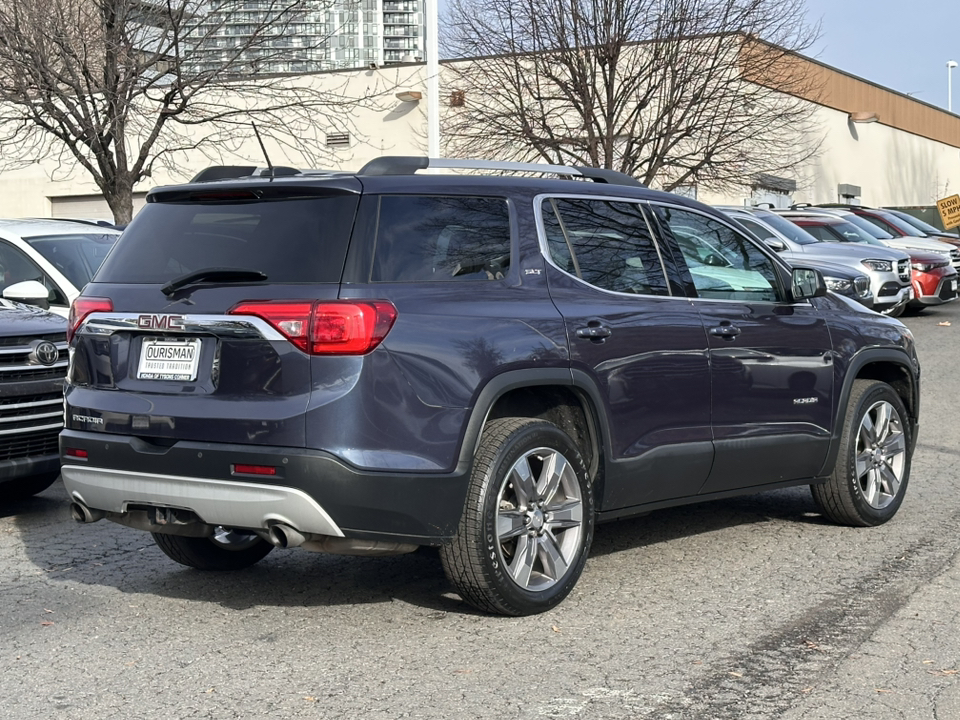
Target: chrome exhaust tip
x=82 y=514
x=284 y=536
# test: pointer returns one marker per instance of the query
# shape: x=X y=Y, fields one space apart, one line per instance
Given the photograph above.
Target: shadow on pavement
x=109 y=555
x=663 y=526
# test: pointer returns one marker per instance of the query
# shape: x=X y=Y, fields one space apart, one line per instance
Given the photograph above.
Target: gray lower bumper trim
x=217 y=502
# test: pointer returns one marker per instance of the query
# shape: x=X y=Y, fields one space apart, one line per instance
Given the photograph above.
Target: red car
x=894 y=224
x=934 y=280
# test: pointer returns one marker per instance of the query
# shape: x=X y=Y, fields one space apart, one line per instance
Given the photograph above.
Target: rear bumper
x=312 y=491
x=18 y=468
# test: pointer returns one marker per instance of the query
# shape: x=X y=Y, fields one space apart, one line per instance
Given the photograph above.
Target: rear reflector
x=76 y=453
x=326 y=327
x=254 y=470
x=82 y=307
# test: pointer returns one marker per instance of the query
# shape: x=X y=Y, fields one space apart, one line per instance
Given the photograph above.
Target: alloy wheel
x=540 y=519
x=881 y=454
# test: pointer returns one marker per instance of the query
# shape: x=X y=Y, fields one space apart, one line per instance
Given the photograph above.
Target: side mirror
x=806 y=283
x=29 y=292
x=774 y=244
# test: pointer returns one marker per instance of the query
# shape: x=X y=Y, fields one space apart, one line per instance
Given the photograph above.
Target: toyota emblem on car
x=45 y=352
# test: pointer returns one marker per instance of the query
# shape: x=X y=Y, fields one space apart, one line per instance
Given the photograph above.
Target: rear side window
x=441 y=238
x=77 y=256
x=290 y=240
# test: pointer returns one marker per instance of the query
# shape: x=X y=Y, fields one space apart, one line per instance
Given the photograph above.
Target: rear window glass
x=438 y=238
x=77 y=256
x=297 y=240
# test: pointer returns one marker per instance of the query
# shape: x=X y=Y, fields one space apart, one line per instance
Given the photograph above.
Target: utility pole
x=951 y=64
x=433 y=79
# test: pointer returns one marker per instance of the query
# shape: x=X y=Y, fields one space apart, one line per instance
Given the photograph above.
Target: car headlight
x=879 y=265
x=837 y=284
x=923 y=267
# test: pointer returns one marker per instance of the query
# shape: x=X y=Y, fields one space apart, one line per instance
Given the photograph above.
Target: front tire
x=873 y=466
x=527 y=525
x=226 y=549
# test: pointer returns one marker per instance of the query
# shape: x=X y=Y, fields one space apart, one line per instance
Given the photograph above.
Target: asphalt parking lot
x=747 y=608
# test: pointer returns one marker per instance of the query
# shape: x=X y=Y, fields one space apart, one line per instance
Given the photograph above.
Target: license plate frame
x=169 y=368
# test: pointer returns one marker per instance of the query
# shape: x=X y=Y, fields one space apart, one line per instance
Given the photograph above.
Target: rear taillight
x=337 y=327
x=82 y=307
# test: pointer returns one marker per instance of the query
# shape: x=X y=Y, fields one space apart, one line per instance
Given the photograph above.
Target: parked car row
x=906 y=270
x=44 y=264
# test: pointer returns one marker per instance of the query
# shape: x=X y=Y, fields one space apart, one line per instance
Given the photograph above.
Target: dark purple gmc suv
x=367 y=362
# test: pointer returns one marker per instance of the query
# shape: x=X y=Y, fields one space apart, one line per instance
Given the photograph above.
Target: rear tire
x=226 y=550
x=27 y=487
x=527 y=524
x=873 y=466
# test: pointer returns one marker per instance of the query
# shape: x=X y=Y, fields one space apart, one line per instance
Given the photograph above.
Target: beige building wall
x=383 y=125
x=892 y=167
x=911 y=156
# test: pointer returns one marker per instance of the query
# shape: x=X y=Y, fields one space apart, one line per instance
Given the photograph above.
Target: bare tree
x=669 y=91
x=118 y=86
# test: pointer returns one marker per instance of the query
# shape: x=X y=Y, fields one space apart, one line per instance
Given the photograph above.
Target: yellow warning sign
x=949 y=211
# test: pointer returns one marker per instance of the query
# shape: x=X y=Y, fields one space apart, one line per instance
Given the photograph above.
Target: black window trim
x=783 y=270
x=538 y=201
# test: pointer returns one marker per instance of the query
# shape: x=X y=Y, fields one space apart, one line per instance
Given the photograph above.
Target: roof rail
x=83 y=221
x=408 y=165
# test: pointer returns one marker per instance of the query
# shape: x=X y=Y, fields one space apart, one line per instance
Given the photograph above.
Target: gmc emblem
x=161 y=322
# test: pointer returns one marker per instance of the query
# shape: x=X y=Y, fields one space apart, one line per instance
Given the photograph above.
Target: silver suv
x=887 y=268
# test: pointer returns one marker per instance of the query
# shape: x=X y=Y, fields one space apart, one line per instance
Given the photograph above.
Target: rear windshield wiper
x=216 y=274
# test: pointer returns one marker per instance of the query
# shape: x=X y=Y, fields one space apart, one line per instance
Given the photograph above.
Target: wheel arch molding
x=504 y=391
x=891 y=365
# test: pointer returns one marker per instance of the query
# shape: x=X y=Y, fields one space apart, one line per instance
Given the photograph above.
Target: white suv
x=59 y=255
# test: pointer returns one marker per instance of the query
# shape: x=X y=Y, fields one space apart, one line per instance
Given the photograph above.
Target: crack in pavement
x=774 y=673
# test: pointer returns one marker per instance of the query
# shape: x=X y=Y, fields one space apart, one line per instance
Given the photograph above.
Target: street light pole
x=433 y=79
x=951 y=64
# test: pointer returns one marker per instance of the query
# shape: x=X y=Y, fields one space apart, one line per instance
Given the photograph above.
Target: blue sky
x=902 y=45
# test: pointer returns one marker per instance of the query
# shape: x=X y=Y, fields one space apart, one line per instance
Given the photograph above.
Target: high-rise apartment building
x=326 y=35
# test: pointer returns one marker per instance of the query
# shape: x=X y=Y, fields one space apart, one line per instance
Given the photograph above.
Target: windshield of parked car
x=915 y=222
x=785 y=227
x=899 y=223
x=872 y=228
x=78 y=256
x=854 y=233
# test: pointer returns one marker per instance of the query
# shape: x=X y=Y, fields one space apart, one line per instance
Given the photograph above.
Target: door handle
x=725 y=330
x=594 y=332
